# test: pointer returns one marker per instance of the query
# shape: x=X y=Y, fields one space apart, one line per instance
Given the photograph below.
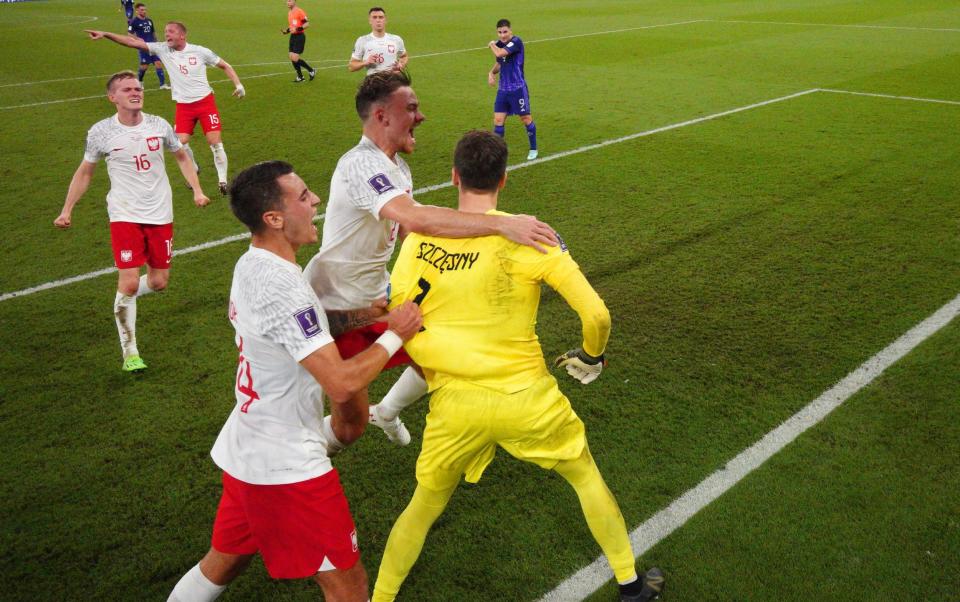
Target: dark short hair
x=377 y=87
x=481 y=160
x=117 y=77
x=138 y=5
x=178 y=25
x=255 y=190
x=503 y=23
x=375 y=9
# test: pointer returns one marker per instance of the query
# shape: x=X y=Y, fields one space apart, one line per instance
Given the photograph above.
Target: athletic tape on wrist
x=390 y=341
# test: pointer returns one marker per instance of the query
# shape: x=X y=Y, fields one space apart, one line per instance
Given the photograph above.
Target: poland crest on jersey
x=391 y=48
x=192 y=60
x=153 y=144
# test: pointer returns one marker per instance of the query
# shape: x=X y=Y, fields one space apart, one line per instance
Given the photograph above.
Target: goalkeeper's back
x=479 y=298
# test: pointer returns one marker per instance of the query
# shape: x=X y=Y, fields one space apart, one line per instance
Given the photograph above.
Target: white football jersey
x=350 y=269
x=187 y=69
x=386 y=49
x=273 y=436
x=139 y=188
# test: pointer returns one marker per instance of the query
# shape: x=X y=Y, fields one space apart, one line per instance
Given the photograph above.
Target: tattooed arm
x=342 y=321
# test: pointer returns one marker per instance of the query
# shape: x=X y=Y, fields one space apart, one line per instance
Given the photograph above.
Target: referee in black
x=297 y=20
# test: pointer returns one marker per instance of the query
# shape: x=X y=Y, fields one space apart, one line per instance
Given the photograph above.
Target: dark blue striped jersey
x=143 y=29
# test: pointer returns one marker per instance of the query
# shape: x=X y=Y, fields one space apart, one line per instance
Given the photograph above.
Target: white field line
x=342 y=63
x=578 y=35
x=663 y=523
x=643 y=134
x=445 y=52
x=891 y=96
x=844 y=25
x=105 y=76
x=82 y=19
x=215 y=81
x=229 y=239
x=110 y=270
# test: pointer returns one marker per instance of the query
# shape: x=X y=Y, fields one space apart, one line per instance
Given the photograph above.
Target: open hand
x=528 y=230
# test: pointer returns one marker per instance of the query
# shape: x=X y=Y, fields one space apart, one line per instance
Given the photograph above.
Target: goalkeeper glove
x=580 y=365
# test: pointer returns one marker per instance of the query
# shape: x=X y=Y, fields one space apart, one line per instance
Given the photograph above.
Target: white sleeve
x=170 y=137
x=369 y=188
x=291 y=316
x=358 y=49
x=400 y=47
x=156 y=48
x=209 y=57
x=93 y=150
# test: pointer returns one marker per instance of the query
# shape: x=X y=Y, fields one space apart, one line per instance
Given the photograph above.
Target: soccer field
x=764 y=193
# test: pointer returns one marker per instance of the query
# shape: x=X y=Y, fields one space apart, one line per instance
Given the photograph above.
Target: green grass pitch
x=750 y=261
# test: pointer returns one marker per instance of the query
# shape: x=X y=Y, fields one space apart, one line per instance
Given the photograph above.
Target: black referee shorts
x=297 y=42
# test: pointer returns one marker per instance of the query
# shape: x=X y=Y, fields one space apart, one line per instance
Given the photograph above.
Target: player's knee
x=128 y=285
x=350 y=585
x=127 y=289
x=158 y=283
x=221 y=568
x=577 y=470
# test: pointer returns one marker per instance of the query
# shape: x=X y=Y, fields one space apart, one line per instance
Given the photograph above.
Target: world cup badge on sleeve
x=380 y=183
x=307 y=319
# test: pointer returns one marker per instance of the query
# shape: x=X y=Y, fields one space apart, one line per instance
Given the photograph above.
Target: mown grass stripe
x=593 y=576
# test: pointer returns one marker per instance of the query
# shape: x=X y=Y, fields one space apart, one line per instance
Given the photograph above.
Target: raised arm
x=78 y=186
x=497 y=51
x=239 y=90
x=190 y=175
x=123 y=40
x=441 y=221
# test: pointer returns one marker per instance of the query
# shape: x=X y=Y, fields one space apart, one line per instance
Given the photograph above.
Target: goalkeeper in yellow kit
x=484 y=367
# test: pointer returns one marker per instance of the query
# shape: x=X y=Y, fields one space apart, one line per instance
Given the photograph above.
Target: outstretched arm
x=123 y=40
x=238 y=91
x=441 y=221
x=78 y=186
x=341 y=321
x=343 y=379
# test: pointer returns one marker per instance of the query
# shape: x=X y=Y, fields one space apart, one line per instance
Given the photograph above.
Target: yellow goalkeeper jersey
x=479 y=298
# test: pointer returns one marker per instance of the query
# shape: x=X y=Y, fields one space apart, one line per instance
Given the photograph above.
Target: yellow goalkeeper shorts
x=466 y=423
